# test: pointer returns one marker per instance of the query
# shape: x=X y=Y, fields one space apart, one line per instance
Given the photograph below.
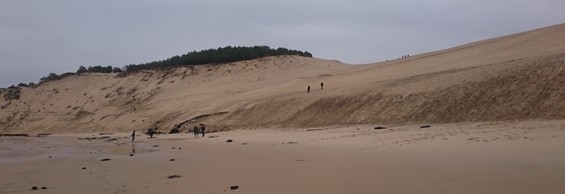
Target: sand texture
x=524 y=157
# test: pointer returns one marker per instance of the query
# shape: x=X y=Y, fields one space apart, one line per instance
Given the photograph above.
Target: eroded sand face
x=525 y=157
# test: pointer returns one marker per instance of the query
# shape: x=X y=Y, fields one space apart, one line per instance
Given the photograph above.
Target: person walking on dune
x=322 y=85
x=133 y=136
x=195 y=131
x=308 y=89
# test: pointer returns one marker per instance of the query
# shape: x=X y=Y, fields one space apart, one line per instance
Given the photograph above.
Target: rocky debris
x=43 y=134
x=234 y=187
x=291 y=142
x=425 y=126
x=130 y=154
x=315 y=129
x=377 y=128
x=243 y=143
x=474 y=139
x=13 y=135
x=172 y=160
x=174 y=176
x=229 y=140
x=106 y=133
x=84 y=168
x=213 y=136
x=37 y=188
x=155 y=146
x=94 y=138
x=105 y=159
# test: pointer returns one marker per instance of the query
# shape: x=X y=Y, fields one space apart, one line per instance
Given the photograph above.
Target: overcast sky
x=42 y=36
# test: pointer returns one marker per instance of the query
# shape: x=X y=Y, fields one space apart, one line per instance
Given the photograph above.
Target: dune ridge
x=515 y=77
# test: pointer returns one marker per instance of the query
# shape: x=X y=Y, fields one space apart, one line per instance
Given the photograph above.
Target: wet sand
x=522 y=157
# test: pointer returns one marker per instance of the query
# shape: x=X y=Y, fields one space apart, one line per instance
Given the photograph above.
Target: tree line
x=220 y=55
x=210 y=56
x=99 y=69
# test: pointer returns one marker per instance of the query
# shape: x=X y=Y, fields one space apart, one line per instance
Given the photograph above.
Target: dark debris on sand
x=174 y=176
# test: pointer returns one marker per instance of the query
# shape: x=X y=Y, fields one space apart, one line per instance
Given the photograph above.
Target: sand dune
x=486 y=117
x=515 y=77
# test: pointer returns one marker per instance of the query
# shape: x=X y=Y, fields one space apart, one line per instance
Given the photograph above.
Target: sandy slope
x=523 y=157
x=503 y=98
x=515 y=77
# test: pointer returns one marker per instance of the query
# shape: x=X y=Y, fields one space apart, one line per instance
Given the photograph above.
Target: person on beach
x=195 y=131
x=308 y=89
x=151 y=132
x=202 y=129
x=322 y=85
x=133 y=136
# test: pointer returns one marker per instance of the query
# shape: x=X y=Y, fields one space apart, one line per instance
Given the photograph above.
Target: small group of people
x=321 y=87
x=199 y=130
x=196 y=130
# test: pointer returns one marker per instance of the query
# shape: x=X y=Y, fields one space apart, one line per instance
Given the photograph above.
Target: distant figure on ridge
x=322 y=85
x=195 y=131
x=133 y=136
x=308 y=89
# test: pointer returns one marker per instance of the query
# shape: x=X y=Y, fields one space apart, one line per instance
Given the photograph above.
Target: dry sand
x=515 y=77
x=501 y=157
x=480 y=86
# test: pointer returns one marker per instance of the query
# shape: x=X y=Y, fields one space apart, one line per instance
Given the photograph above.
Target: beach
x=474 y=157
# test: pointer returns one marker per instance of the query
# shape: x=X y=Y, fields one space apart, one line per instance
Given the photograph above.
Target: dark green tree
x=117 y=70
x=82 y=69
x=50 y=77
x=220 y=55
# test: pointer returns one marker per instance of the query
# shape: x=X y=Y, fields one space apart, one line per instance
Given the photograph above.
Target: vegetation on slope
x=220 y=55
x=211 y=56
